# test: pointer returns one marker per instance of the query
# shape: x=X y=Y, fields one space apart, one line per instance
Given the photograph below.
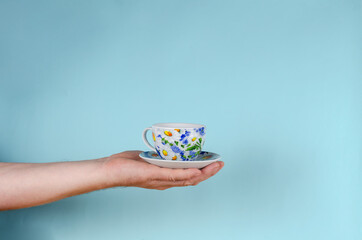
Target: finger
x=208 y=172
x=161 y=185
x=212 y=167
x=167 y=174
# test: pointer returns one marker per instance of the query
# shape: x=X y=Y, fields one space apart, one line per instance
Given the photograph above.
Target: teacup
x=176 y=141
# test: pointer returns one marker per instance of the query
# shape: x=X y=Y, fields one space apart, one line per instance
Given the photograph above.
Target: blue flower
x=192 y=154
x=202 y=131
x=185 y=142
x=187 y=133
x=175 y=149
x=182 y=154
x=159 y=135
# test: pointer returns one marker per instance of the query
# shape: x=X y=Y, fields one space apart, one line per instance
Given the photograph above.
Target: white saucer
x=204 y=159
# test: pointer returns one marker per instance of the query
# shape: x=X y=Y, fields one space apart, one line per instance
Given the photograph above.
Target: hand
x=128 y=169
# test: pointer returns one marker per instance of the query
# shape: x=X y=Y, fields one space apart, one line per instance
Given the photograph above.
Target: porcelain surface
x=204 y=159
x=180 y=144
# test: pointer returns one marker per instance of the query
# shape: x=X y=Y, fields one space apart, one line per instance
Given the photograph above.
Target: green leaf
x=171 y=144
x=188 y=145
x=192 y=148
x=200 y=140
x=176 y=143
x=183 y=146
x=166 y=141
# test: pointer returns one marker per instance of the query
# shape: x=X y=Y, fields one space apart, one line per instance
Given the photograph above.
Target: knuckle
x=125 y=153
x=190 y=174
x=171 y=178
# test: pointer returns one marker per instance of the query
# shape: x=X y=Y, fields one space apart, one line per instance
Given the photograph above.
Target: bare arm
x=31 y=184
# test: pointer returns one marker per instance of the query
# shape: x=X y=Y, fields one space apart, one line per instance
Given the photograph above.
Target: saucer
x=204 y=159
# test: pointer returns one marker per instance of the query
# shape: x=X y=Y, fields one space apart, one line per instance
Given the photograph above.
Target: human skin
x=30 y=184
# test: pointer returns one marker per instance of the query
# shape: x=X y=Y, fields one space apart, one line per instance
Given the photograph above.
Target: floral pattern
x=203 y=156
x=178 y=144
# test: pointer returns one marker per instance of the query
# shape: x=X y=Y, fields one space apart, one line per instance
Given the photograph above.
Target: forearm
x=31 y=184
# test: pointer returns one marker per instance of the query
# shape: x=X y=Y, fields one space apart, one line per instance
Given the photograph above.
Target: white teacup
x=176 y=141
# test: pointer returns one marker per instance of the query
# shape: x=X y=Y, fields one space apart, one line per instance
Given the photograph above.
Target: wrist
x=103 y=173
x=109 y=168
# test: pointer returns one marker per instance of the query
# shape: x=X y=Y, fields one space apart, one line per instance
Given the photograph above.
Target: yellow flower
x=164 y=152
x=174 y=158
x=178 y=130
x=193 y=139
x=168 y=133
x=154 y=138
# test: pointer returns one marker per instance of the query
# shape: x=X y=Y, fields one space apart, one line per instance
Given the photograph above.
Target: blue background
x=277 y=83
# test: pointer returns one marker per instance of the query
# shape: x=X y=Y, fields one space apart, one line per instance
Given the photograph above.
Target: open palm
x=128 y=169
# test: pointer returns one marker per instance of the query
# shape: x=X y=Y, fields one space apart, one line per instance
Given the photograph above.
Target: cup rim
x=178 y=125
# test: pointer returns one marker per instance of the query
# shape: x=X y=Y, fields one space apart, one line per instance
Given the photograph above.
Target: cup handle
x=144 y=136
